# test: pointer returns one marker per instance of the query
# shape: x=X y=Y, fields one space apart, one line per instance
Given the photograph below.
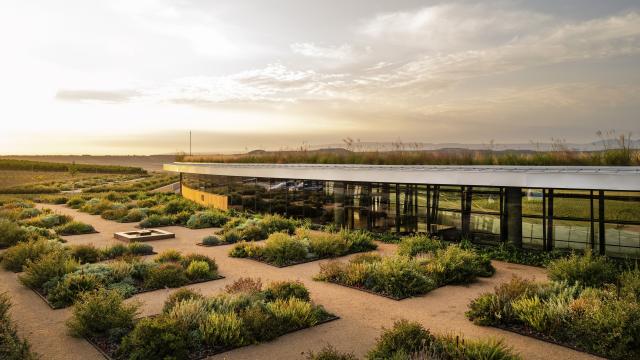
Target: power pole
x=190 y=143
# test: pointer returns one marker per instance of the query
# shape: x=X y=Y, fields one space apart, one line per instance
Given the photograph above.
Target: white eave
x=623 y=178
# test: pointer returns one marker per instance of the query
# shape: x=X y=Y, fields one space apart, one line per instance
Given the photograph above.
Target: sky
x=134 y=77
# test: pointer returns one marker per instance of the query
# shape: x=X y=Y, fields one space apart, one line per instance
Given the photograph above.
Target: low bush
x=419 y=244
x=276 y=223
x=404 y=338
x=139 y=249
x=53 y=265
x=207 y=219
x=454 y=265
x=75 y=228
x=96 y=206
x=281 y=249
x=594 y=320
x=16 y=257
x=245 y=249
x=48 y=220
x=231 y=237
x=285 y=290
x=75 y=202
x=156 y=220
x=11 y=346
x=134 y=215
x=253 y=232
x=328 y=352
x=166 y=275
x=587 y=269
x=198 y=270
x=11 y=233
x=85 y=254
x=509 y=253
x=211 y=240
x=170 y=255
x=102 y=313
x=191 y=323
x=244 y=286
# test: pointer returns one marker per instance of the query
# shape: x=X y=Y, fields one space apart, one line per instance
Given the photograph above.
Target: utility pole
x=190 y=143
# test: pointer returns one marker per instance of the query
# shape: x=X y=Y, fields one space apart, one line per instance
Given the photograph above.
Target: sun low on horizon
x=134 y=77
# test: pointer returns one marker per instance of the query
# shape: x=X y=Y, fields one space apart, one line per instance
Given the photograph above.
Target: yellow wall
x=204 y=198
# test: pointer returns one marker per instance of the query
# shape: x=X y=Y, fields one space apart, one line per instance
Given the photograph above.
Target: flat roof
x=623 y=178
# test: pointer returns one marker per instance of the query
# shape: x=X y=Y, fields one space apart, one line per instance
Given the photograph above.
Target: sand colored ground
x=362 y=315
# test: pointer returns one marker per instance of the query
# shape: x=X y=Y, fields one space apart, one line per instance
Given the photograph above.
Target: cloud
x=342 y=52
x=116 y=96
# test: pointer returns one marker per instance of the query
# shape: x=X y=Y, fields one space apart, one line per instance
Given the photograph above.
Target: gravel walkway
x=362 y=314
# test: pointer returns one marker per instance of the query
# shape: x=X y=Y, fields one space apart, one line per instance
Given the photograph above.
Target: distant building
x=536 y=207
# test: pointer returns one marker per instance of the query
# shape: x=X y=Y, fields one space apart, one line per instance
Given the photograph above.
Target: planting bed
x=282 y=249
x=144 y=235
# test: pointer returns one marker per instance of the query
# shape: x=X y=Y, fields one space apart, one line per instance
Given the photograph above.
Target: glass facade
x=606 y=221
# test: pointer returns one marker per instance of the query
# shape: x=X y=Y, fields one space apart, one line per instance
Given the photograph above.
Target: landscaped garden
x=421 y=265
x=283 y=249
x=60 y=279
x=409 y=340
x=194 y=326
x=12 y=347
x=590 y=305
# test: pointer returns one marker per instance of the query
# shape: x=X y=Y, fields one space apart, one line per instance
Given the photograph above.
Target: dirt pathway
x=362 y=315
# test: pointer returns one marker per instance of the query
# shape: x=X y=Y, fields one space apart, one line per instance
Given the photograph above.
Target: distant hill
x=149 y=163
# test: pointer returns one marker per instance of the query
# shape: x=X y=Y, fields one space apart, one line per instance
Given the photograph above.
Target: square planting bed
x=144 y=235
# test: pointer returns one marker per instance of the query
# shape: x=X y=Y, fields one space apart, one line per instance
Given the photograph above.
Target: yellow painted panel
x=204 y=198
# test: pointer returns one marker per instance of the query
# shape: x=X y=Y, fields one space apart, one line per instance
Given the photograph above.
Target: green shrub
x=178 y=296
x=259 y=323
x=85 y=254
x=75 y=228
x=244 y=286
x=16 y=257
x=156 y=338
x=198 y=270
x=11 y=233
x=49 y=220
x=231 y=237
x=630 y=283
x=281 y=249
x=134 y=215
x=29 y=213
x=96 y=206
x=222 y=329
x=293 y=313
x=11 y=346
x=139 y=249
x=285 y=290
x=245 y=249
x=253 y=232
x=587 y=269
x=276 y=223
x=67 y=290
x=330 y=353
x=189 y=258
x=456 y=347
x=52 y=265
x=366 y=258
x=211 y=240
x=325 y=244
x=454 y=265
x=114 y=251
x=419 y=244
x=207 y=219
x=115 y=214
x=156 y=220
x=358 y=240
x=75 y=202
x=166 y=275
x=405 y=338
x=102 y=313
x=170 y=255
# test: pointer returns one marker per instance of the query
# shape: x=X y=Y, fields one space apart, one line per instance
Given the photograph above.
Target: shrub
x=11 y=233
x=211 y=240
x=102 y=313
x=231 y=237
x=198 y=270
x=11 y=346
x=138 y=249
x=404 y=338
x=259 y=323
x=134 y=215
x=253 y=232
x=169 y=256
x=29 y=213
x=114 y=251
x=156 y=338
x=330 y=353
x=244 y=249
x=285 y=290
x=327 y=245
x=49 y=220
x=75 y=202
x=16 y=257
x=456 y=347
x=85 y=253
x=50 y=266
x=115 y=214
x=358 y=240
x=166 y=275
x=75 y=228
x=206 y=219
x=276 y=223
x=156 y=220
x=588 y=270
x=189 y=258
x=454 y=265
x=244 y=286
x=420 y=244
x=96 y=206
x=179 y=296
x=630 y=283
x=281 y=249
x=293 y=313
x=222 y=329
x=67 y=290
x=366 y=258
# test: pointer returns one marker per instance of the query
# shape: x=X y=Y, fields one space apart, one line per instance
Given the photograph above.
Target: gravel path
x=362 y=314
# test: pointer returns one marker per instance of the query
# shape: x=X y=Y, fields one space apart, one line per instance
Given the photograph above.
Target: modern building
x=544 y=207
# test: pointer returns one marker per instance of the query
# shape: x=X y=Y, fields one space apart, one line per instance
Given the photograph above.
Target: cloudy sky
x=133 y=77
